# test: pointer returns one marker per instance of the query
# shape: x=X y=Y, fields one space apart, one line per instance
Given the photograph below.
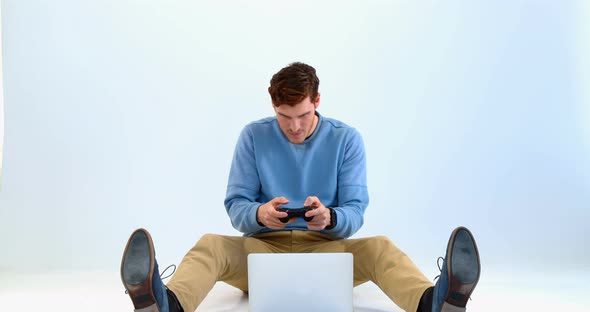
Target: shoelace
x=439 y=265
x=162 y=277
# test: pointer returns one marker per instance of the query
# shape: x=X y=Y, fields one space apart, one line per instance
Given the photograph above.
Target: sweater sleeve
x=243 y=187
x=353 y=197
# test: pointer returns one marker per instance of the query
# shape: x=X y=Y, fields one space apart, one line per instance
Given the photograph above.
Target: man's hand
x=320 y=214
x=269 y=216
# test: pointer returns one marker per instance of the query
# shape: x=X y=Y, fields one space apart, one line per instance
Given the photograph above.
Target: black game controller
x=296 y=212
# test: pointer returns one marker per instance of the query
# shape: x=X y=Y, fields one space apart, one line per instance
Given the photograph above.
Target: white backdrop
x=1 y=104
x=124 y=114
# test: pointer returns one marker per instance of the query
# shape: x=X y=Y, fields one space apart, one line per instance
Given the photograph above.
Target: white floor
x=102 y=291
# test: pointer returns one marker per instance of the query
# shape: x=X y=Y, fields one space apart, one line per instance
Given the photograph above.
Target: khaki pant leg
x=378 y=260
x=218 y=258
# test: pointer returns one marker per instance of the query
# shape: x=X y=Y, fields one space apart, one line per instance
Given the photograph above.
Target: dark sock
x=173 y=304
x=426 y=301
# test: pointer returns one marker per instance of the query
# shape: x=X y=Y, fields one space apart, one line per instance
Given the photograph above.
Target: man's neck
x=316 y=120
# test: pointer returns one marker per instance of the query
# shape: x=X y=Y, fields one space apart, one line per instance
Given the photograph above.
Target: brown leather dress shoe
x=137 y=271
x=459 y=275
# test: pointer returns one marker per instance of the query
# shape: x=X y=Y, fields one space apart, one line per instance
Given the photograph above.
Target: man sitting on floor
x=298 y=158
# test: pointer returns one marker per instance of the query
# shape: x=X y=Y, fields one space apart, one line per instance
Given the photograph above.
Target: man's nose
x=295 y=124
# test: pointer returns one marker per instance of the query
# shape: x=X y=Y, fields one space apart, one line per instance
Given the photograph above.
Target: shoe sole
x=463 y=269
x=137 y=269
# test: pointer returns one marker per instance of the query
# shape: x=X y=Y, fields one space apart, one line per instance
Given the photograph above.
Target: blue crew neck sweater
x=329 y=164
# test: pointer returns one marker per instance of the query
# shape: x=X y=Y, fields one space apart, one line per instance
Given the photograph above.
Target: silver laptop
x=300 y=282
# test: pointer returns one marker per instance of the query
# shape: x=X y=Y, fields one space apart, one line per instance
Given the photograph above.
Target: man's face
x=298 y=122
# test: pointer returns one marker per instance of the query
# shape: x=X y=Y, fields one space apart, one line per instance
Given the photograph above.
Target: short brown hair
x=293 y=84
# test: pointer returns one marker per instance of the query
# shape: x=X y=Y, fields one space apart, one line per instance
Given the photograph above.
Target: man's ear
x=317 y=101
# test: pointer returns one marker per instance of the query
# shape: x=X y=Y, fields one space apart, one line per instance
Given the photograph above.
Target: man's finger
x=315 y=212
x=278 y=214
x=312 y=201
x=277 y=201
x=276 y=224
